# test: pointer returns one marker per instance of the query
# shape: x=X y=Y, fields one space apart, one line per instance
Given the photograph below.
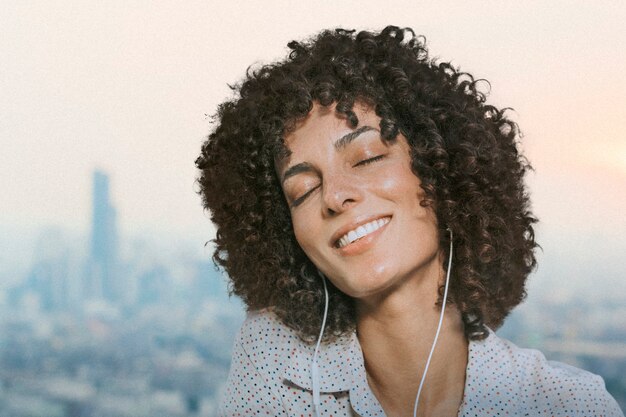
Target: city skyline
x=89 y=332
x=70 y=352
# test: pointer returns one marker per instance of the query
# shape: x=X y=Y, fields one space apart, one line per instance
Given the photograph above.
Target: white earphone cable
x=314 y=368
x=432 y=349
x=315 y=377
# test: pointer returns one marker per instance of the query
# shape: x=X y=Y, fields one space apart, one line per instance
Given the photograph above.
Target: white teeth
x=361 y=231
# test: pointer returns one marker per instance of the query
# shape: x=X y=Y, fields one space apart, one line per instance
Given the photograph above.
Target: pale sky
x=126 y=86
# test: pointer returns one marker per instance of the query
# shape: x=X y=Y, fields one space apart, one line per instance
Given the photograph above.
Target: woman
x=371 y=213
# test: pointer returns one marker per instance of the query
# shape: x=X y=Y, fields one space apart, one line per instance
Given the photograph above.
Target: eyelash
x=301 y=199
x=369 y=160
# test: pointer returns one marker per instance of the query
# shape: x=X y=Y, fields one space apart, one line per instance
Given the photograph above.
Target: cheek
x=405 y=188
x=401 y=183
x=304 y=232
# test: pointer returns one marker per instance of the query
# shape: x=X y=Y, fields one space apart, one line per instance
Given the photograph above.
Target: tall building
x=102 y=280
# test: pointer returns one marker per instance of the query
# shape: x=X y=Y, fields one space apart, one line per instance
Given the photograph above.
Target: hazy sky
x=126 y=86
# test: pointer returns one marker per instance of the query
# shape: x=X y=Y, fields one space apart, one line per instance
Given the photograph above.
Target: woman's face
x=354 y=203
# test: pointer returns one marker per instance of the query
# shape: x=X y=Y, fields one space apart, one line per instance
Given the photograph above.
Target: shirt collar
x=491 y=359
x=335 y=362
x=362 y=398
x=341 y=368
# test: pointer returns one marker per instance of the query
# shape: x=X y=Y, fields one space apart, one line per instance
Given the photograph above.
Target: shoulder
x=268 y=343
x=537 y=385
x=264 y=323
x=260 y=351
x=532 y=368
x=281 y=357
x=262 y=331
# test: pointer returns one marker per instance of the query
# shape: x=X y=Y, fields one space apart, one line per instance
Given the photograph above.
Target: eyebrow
x=341 y=143
x=297 y=169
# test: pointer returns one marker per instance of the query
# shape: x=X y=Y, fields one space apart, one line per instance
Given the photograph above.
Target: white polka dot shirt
x=270 y=375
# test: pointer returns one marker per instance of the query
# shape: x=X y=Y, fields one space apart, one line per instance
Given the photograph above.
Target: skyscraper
x=102 y=281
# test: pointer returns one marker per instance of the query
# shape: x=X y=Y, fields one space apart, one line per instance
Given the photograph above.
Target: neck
x=396 y=332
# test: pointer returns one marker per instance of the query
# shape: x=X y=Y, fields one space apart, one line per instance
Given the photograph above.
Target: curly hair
x=464 y=151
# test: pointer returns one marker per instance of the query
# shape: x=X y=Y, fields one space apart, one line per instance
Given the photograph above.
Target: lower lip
x=361 y=245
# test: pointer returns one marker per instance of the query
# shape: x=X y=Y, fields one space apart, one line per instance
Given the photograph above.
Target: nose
x=340 y=193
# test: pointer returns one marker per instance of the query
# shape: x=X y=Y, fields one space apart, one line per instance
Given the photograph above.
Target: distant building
x=48 y=278
x=102 y=281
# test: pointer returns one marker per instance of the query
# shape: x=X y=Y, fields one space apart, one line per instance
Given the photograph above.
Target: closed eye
x=299 y=200
x=364 y=162
x=369 y=160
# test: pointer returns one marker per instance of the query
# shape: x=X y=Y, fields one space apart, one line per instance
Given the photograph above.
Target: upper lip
x=358 y=221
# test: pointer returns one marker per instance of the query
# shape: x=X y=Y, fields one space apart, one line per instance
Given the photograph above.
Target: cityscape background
x=109 y=302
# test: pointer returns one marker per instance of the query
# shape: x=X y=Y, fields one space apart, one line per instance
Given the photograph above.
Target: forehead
x=325 y=124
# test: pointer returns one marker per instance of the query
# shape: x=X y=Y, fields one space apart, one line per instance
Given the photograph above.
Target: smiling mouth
x=361 y=231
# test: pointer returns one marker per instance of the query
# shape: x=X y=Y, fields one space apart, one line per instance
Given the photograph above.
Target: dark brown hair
x=464 y=151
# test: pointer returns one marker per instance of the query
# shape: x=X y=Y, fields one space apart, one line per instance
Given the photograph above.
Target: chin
x=372 y=286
